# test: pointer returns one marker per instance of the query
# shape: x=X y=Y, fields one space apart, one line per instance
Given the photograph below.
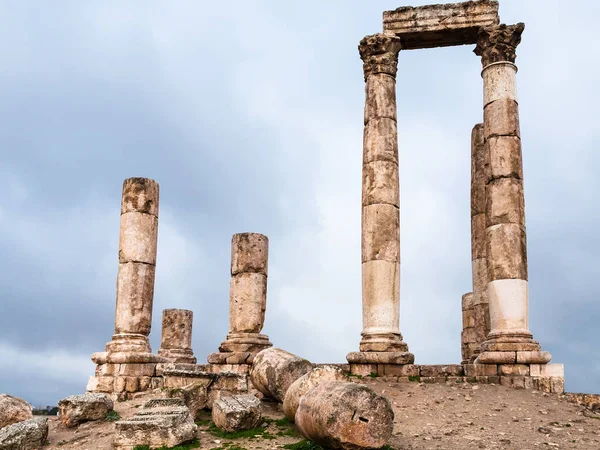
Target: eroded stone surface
x=237 y=412
x=78 y=409
x=30 y=434
x=13 y=410
x=176 y=339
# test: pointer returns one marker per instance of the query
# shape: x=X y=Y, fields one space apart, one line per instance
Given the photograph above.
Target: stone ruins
x=496 y=343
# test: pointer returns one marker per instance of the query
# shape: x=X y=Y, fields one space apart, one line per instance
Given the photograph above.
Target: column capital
x=379 y=53
x=498 y=43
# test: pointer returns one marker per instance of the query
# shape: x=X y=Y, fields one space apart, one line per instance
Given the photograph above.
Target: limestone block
x=508 y=307
x=305 y=383
x=468 y=319
x=477 y=370
x=13 y=410
x=239 y=369
x=338 y=414
x=247 y=302
x=156 y=383
x=542 y=384
x=103 y=370
x=553 y=370
x=195 y=396
x=132 y=384
x=119 y=384
x=501 y=118
x=590 y=401
x=231 y=358
x=145 y=383
x=140 y=195
x=136 y=370
x=496 y=358
x=135 y=294
x=481 y=314
x=467 y=302
x=533 y=357
x=513 y=369
x=499 y=82
x=383 y=342
x=380 y=233
x=100 y=384
x=249 y=253
x=77 y=409
x=380 y=100
x=442 y=370
x=398 y=370
x=363 y=370
x=557 y=385
x=236 y=413
x=518 y=347
x=380 y=183
x=480 y=280
x=30 y=434
x=380 y=141
x=505 y=156
x=138 y=238
x=274 y=370
x=368 y=358
x=506 y=252
x=469 y=335
x=505 y=202
x=440 y=25
x=380 y=294
x=161 y=422
x=176 y=328
x=231 y=381
x=478 y=237
x=478 y=196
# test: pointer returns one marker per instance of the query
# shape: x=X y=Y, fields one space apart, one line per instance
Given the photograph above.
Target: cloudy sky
x=249 y=115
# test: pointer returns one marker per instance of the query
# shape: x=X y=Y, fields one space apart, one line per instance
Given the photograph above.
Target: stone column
x=479 y=177
x=176 y=339
x=509 y=340
x=381 y=339
x=467 y=337
x=247 y=300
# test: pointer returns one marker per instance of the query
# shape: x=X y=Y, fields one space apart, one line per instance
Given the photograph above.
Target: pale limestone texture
x=88 y=407
x=338 y=414
x=380 y=201
x=305 y=383
x=468 y=337
x=440 y=25
x=274 y=370
x=176 y=338
x=247 y=300
x=13 y=410
x=161 y=422
x=237 y=412
x=30 y=434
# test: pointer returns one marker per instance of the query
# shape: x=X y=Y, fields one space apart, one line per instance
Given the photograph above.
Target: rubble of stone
x=78 y=409
x=160 y=422
x=274 y=370
x=13 y=410
x=339 y=414
x=590 y=401
x=30 y=434
x=237 y=412
x=305 y=383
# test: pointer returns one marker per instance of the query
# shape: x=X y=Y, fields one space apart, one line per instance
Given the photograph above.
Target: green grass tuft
x=194 y=444
x=252 y=433
x=373 y=375
x=112 y=416
x=416 y=378
x=303 y=445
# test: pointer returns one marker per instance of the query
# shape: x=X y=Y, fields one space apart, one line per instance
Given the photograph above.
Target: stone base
x=129 y=343
x=178 y=355
x=245 y=343
x=231 y=358
x=512 y=349
x=383 y=342
x=127 y=358
x=124 y=378
x=380 y=358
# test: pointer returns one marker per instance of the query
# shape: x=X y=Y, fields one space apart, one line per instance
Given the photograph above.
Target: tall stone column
x=479 y=178
x=176 y=338
x=381 y=339
x=509 y=340
x=247 y=300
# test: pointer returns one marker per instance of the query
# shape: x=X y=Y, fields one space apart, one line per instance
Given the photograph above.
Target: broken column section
x=176 y=339
x=128 y=364
x=467 y=338
x=247 y=302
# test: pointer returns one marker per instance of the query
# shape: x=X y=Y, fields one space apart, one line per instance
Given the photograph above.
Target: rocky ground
x=428 y=416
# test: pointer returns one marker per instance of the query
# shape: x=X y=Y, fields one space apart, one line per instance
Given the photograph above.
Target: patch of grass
x=250 y=434
x=285 y=422
x=194 y=444
x=373 y=375
x=303 y=445
x=112 y=416
x=416 y=378
x=290 y=433
x=204 y=418
x=355 y=376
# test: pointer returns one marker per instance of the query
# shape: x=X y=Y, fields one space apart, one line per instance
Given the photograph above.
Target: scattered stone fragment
x=236 y=413
x=274 y=370
x=13 y=410
x=305 y=383
x=339 y=414
x=27 y=435
x=195 y=396
x=161 y=422
x=77 y=409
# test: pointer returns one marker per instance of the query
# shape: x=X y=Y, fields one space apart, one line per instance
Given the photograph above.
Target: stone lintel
x=440 y=25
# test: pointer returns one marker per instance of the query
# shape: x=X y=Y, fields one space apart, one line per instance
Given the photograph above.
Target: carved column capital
x=498 y=43
x=379 y=53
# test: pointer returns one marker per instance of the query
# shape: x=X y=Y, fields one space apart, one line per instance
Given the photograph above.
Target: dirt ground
x=427 y=416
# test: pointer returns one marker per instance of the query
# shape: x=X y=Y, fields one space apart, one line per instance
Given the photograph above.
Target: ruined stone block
x=533 y=357
x=442 y=370
x=247 y=305
x=249 y=253
x=506 y=159
x=496 y=358
x=236 y=413
x=513 y=369
x=135 y=292
x=478 y=243
x=100 y=384
x=363 y=370
x=553 y=370
x=507 y=252
x=77 y=409
x=136 y=370
x=440 y=25
x=505 y=202
x=476 y=370
x=380 y=141
x=380 y=233
x=501 y=118
x=380 y=183
x=380 y=98
x=140 y=195
x=468 y=319
x=138 y=238
x=399 y=370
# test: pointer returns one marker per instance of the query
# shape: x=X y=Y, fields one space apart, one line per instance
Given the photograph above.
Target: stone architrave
x=380 y=208
x=176 y=338
x=509 y=339
x=479 y=176
x=128 y=362
x=247 y=300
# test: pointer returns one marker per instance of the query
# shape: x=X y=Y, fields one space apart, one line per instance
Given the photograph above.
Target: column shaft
x=176 y=338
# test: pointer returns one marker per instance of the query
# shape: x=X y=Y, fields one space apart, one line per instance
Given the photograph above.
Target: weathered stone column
x=176 y=339
x=247 y=300
x=479 y=178
x=467 y=337
x=509 y=340
x=381 y=339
